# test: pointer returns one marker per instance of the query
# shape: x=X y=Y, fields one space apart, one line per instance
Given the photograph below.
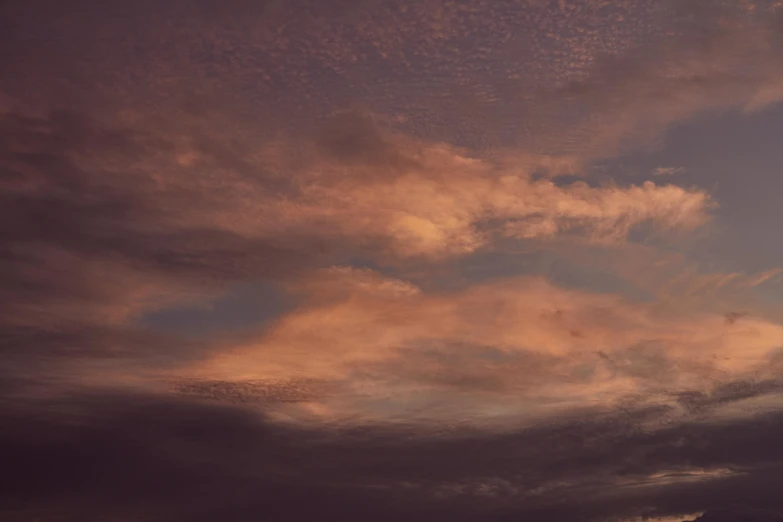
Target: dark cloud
x=725 y=393
x=355 y=137
x=251 y=392
x=141 y=457
x=91 y=237
x=50 y=198
x=734 y=513
x=107 y=454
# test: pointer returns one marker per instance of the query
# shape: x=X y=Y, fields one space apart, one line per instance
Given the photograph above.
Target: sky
x=454 y=260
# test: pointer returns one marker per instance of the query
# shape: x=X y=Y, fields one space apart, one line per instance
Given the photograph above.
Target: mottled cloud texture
x=383 y=260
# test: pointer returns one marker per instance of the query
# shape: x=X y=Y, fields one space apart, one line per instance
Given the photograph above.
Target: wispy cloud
x=667 y=171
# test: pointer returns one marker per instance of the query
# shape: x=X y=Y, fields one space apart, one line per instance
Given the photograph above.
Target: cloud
x=101 y=219
x=251 y=392
x=80 y=188
x=93 y=233
x=712 y=56
x=394 y=350
x=116 y=454
x=739 y=513
x=432 y=200
x=105 y=219
x=584 y=83
x=668 y=171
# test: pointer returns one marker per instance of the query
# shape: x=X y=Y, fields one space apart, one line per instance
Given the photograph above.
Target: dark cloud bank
x=111 y=455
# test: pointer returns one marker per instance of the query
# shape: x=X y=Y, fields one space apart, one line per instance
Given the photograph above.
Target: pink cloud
x=521 y=343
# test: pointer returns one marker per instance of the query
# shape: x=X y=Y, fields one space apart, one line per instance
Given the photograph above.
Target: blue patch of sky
x=738 y=159
x=248 y=305
x=559 y=267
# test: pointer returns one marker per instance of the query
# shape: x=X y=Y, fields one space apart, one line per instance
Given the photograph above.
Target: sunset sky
x=381 y=260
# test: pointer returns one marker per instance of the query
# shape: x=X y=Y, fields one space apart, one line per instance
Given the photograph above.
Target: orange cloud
x=503 y=349
x=432 y=200
x=358 y=187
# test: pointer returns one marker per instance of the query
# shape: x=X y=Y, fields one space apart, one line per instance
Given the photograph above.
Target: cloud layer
x=386 y=171
x=521 y=343
x=95 y=455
